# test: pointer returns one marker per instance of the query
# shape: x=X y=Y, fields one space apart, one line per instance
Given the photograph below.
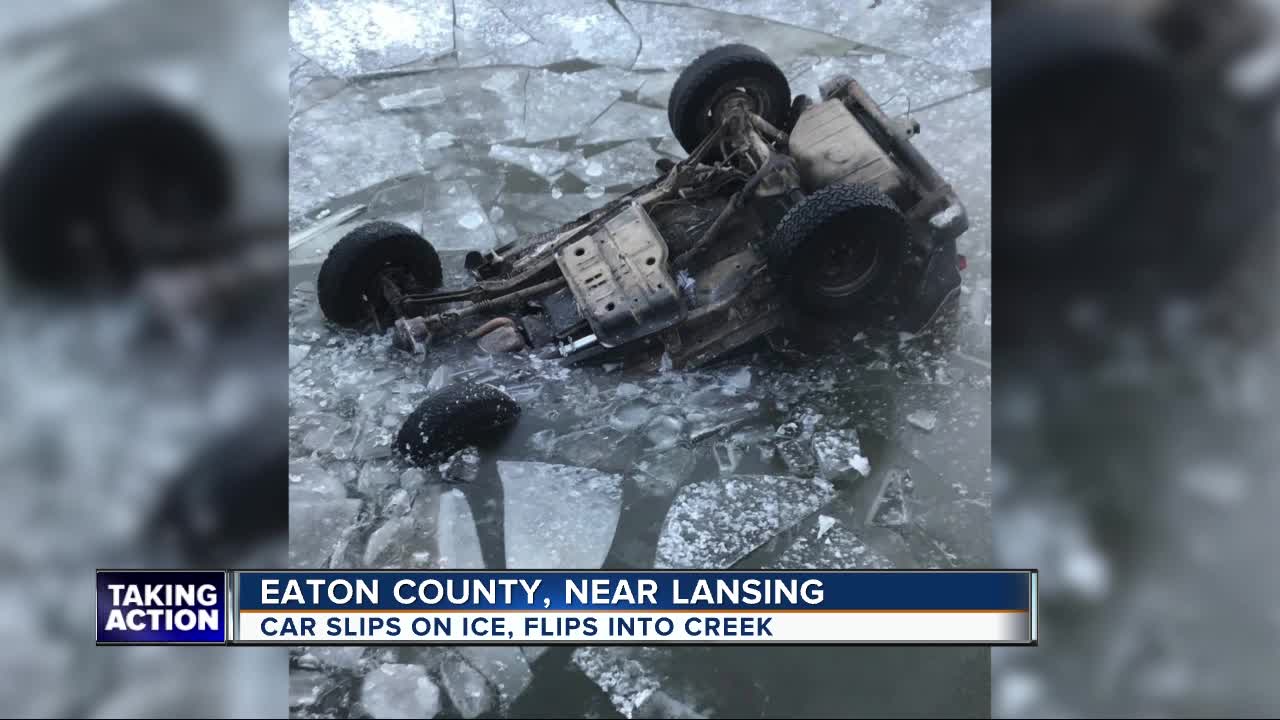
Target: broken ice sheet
x=408 y=540
x=308 y=478
x=892 y=507
x=839 y=453
x=632 y=163
x=626 y=121
x=480 y=105
x=562 y=104
x=716 y=523
x=701 y=30
x=467 y=688
x=955 y=34
x=314 y=528
x=357 y=38
x=399 y=691
x=587 y=29
x=341 y=146
x=895 y=82
x=539 y=161
x=628 y=675
x=456 y=536
x=926 y=420
x=557 y=516
x=421 y=98
x=834 y=548
x=660 y=473
x=504 y=666
x=453 y=219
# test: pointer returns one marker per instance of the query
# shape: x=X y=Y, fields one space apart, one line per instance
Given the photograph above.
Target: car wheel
x=1088 y=105
x=106 y=183
x=350 y=275
x=838 y=248
x=457 y=416
x=719 y=79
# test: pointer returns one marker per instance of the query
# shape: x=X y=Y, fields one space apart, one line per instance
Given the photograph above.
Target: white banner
x=645 y=628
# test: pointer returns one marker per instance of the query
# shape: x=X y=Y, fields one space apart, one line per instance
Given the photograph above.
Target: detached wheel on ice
x=350 y=281
x=106 y=184
x=457 y=416
x=720 y=79
x=838 y=248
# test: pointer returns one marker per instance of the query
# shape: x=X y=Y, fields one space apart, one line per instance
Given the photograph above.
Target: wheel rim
x=844 y=265
x=747 y=93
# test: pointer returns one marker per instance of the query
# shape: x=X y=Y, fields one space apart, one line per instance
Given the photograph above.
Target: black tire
x=350 y=272
x=457 y=416
x=60 y=187
x=710 y=78
x=857 y=225
x=1088 y=104
x=231 y=496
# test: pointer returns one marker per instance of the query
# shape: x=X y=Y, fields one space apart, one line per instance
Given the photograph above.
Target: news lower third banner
x=280 y=607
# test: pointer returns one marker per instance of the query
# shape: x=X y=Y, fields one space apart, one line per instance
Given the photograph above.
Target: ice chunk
x=727 y=455
x=670 y=146
x=305 y=687
x=374 y=477
x=839 y=452
x=456 y=536
x=557 y=516
x=539 y=161
x=586 y=29
x=467 y=688
x=347 y=658
x=631 y=163
x=661 y=705
x=798 y=456
x=505 y=667
x=664 y=432
x=830 y=545
x=825 y=522
x=626 y=674
x=485 y=35
x=657 y=88
x=399 y=691
x=407 y=540
x=715 y=524
x=472 y=219
x=949 y=34
x=740 y=380
x=297 y=353
x=453 y=217
x=533 y=652
x=438 y=140
x=661 y=473
x=562 y=104
x=625 y=121
x=420 y=98
x=314 y=527
x=926 y=420
x=631 y=415
x=593 y=191
x=439 y=378
x=309 y=478
x=358 y=38
x=892 y=508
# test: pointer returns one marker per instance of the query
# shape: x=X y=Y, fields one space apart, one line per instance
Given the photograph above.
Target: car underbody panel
x=620 y=277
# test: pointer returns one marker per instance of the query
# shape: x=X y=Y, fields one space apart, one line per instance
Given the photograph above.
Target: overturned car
x=787 y=213
x=784 y=210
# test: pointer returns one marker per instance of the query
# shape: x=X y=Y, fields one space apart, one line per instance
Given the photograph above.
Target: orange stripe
x=592 y=612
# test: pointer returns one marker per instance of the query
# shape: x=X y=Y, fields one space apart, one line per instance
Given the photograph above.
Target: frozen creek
x=526 y=116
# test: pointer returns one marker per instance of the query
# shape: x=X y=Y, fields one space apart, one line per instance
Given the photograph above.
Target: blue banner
x=937 y=591
x=161 y=607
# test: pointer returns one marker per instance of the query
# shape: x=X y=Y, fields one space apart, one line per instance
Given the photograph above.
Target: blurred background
x=1134 y=410
x=143 y=209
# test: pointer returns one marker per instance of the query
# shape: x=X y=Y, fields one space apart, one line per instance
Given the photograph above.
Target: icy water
x=874 y=454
